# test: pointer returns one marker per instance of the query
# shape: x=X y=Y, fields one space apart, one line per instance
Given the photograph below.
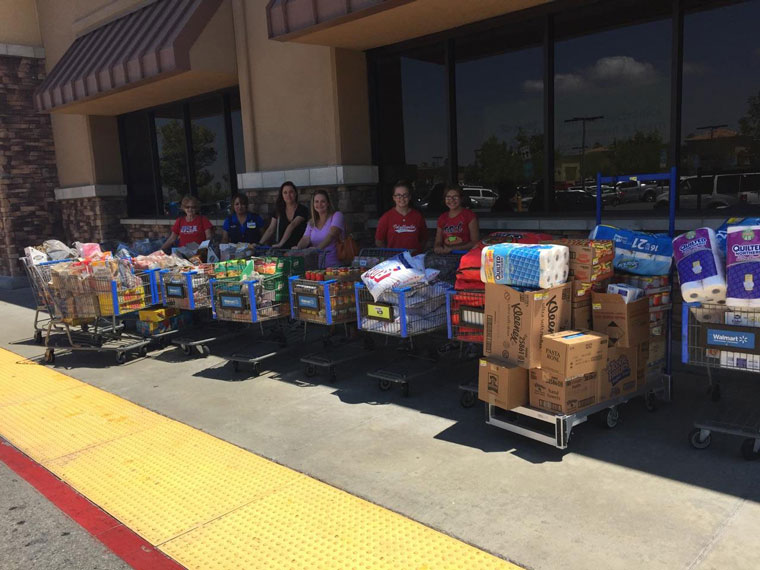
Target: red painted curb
x=123 y=542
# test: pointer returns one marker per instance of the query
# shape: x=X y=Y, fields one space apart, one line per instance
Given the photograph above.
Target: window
x=182 y=148
x=411 y=109
x=721 y=102
x=499 y=114
x=612 y=101
x=213 y=182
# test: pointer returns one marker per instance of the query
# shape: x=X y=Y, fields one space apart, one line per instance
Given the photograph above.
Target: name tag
x=251 y=225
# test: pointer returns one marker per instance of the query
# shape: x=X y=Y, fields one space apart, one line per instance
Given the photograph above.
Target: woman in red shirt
x=458 y=228
x=192 y=227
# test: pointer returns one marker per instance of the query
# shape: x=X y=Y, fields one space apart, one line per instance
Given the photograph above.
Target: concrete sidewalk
x=637 y=495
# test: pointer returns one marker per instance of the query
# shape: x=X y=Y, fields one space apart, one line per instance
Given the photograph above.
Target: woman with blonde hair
x=325 y=228
x=192 y=227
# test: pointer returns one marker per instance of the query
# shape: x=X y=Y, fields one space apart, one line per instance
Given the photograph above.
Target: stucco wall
x=18 y=23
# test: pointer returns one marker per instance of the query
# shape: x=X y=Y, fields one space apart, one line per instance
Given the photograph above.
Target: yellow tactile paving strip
x=204 y=502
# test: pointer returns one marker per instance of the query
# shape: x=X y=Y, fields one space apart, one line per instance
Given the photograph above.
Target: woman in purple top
x=325 y=228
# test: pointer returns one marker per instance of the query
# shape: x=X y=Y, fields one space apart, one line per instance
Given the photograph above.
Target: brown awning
x=146 y=44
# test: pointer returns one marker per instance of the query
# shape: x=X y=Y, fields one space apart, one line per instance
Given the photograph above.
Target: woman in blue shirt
x=242 y=226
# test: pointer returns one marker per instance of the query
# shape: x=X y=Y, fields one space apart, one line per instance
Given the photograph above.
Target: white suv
x=480 y=197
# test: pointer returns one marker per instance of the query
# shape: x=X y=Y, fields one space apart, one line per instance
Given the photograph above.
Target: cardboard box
x=627 y=324
x=515 y=322
x=581 y=291
x=580 y=315
x=621 y=376
x=156 y=315
x=562 y=395
x=591 y=272
x=148 y=328
x=642 y=365
x=590 y=260
x=502 y=385
x=573 y=353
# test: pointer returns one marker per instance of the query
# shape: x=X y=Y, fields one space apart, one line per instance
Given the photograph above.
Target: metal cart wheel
x=748 y=449
x=384 y=385
x=236 y=366
x=310 y=371
x=49 y=356
x=162 y=342
x=696 y=441
x=467 y=399
x=143 y=351
x=610 y=417
x=187 y=350
x=38 y=337
x=204 y=350
x=256 y=369
x=97 y=340
x=85 y=327
x=650 y=401
x=121 y=357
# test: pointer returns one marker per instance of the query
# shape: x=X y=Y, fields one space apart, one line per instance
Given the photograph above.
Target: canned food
x=656 y=299
x=666 y=298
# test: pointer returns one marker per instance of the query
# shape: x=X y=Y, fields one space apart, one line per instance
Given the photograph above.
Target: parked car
x=432 y=202
x=637 y=191
x=706 y=192
x=480 y=197
x=610 y=196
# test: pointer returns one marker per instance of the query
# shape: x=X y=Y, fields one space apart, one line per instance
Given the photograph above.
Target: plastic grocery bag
x=88 y=249
x=399 y=271
x=638 y=252
x=35 y=256
x=58 y=250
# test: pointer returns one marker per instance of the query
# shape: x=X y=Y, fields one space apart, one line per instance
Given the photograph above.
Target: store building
x=112 y=109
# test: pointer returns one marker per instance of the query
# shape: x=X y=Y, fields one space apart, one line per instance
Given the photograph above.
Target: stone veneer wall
x=93 y=219
x=28 y=176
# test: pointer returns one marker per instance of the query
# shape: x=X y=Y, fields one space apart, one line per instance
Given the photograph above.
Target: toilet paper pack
x=743 y=266
x=525 y=265
x=630 y=294
x=699 y=265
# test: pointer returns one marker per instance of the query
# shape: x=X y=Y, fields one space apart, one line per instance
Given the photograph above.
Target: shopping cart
x=94 y=296
x=38 y=276
x=370 y=256
x=249 y=302
x=404 y=313
x=188 y=289
x=717 y=337
x=464 y=317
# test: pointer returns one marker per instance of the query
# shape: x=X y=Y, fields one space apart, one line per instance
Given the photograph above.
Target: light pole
x=583 y=121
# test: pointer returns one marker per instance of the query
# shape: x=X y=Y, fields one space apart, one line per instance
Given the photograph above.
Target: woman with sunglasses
x=458 y=228
x=401 y=227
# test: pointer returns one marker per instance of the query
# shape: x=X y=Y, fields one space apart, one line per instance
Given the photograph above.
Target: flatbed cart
x=250 y=302
x=95 y=301
x=555 y=429
x=464 y=318
x=721 y=337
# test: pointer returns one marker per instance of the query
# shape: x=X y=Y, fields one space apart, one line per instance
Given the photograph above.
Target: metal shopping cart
x=717 y=337
x=38 y=277
x=464 y=317
x=190 y=290
x=253 y=301
x=94 y=296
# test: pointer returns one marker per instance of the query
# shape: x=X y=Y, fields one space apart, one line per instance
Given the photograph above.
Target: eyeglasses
x=401 y=196
x=452 y=197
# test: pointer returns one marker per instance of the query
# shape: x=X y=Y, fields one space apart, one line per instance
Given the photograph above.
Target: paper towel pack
x=743 y=266
x=699 y=265
x=525 y=265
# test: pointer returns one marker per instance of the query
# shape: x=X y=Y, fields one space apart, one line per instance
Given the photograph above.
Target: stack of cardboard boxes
x=567 y=348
